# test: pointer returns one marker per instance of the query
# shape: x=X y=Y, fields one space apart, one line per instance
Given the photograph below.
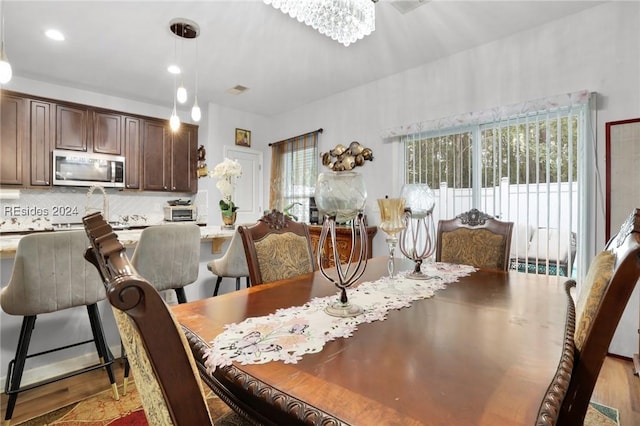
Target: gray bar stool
x=50 y=274
x=168 y=256
x=233 y=264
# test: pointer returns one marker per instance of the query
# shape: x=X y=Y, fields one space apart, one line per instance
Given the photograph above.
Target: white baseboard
x=59 y=368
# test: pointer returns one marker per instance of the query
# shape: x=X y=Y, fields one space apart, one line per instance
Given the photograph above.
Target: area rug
x=103 y=410
x=601 y=415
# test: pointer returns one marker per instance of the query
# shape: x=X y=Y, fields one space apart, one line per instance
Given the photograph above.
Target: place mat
x=288 y=334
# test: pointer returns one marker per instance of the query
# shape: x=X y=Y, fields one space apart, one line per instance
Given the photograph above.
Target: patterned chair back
x=474 y=238
x=603 y=297
x=163 y=365
x=277 y=248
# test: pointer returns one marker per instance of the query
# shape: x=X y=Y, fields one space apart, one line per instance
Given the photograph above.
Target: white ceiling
x=123 y=48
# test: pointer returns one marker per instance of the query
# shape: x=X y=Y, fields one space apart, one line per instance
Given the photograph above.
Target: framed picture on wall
x=243 y=137
x=623 y=173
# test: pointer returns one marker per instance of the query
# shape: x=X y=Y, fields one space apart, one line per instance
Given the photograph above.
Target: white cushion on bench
x=550 y=244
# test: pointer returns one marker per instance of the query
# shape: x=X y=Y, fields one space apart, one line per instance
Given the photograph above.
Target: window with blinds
x=294 y=171
x=523 y=169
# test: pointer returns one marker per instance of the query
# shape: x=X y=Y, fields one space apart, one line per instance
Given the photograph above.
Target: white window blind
x=294 y=170
x=518 y=166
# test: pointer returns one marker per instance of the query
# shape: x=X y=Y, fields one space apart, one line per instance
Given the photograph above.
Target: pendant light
x=5 y=66
x=181 y=94
x=196 y=114
x=184 y=29
x=174 y=121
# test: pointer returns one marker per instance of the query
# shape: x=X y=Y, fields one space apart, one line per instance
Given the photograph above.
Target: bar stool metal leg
x=16 y=366
x=218 y=281
x=106 y=357
x=182 y=297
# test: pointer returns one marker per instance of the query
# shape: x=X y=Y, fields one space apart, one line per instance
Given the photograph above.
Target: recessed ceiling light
x=173 y=69
x=54 y=35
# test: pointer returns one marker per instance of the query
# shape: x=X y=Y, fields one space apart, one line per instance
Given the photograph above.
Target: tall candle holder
x=341 y=197
x=391 y=223
x=417 y=240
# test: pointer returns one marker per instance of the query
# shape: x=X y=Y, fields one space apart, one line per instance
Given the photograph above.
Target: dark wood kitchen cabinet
x=72 y=127
x=107 y=132
x=12 y=140
x=169 y=158
x=155 y=155
x=184 y=146
x=132 y=152
x=40 y=135
x=82 y=129
x=156 y=159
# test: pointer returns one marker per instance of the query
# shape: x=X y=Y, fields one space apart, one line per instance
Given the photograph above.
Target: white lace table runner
x=289 y=333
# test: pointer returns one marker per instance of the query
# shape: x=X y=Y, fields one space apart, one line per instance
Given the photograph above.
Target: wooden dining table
x=482 y=351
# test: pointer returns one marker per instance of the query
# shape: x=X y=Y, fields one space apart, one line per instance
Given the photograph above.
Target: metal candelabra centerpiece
x=391 y=223
x=340 y=196
x=417 y=240
x=346 y=275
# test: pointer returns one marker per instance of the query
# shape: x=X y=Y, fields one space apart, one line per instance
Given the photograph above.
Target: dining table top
x=481 y=351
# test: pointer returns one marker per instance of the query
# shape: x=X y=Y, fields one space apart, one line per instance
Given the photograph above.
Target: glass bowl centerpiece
x=340 y=196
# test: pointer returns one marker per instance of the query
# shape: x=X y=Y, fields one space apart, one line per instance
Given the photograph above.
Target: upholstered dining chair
x=168 y=256
x=163 y=366
x=233 y=264
x=474 y=238
x=50 y=275
x=277 y=247
x=602 y=298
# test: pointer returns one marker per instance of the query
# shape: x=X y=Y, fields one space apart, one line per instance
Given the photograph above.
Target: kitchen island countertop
x=129 y=237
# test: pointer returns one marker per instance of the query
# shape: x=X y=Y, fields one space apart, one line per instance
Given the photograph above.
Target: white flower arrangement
x=227 y=172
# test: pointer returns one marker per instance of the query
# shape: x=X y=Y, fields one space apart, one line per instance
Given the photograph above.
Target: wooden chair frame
x=475 y=219
x=588 y=361
x=136 y=297
x=568 y=396
x=274 y=222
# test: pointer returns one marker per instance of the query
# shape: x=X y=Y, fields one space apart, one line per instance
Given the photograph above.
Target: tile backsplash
x=39 y=209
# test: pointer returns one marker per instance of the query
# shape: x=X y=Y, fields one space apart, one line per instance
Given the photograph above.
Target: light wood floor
x=617 y=387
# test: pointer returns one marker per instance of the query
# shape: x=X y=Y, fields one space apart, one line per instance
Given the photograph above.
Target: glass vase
x=391 y=223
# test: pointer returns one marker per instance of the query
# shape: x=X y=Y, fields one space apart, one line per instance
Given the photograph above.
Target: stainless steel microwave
x=72 y=168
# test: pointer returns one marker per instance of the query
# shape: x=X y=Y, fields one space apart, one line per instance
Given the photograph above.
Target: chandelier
x=345 y=21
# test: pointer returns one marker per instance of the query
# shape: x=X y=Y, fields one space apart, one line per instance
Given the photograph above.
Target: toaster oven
x=180 y=213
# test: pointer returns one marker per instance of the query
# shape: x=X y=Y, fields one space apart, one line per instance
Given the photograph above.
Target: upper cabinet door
x=12 y=140
x=71 y=128
x=184 y=147
x=40 y=143
x=155 y=156
x=132 y=152
x=107 y=133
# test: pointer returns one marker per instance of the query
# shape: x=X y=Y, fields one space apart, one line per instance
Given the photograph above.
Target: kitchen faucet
x=105 y=203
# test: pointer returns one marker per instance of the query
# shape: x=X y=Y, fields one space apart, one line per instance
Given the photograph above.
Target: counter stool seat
x=49 y=275
x=233 y=264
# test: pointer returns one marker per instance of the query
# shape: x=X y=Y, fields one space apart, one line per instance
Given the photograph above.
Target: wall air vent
x=237 y=90
x=406 y=6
